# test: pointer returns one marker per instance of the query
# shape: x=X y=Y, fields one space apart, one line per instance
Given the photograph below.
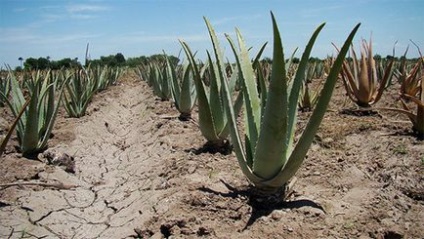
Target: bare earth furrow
x=118 y=160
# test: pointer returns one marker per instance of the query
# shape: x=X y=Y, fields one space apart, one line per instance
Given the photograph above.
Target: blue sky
x=62 y=28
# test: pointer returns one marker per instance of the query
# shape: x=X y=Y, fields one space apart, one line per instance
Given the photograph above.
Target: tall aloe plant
x=182 y=87
x=99 y=75
x=409 y=81
x=104 y=76
x=269 y=159
x=417 y=119
x=114 y=74
x=308 y=98
x=415 y=83
x=363 y=85
x=213 y=121
x=79 y=92
x=158 y=80
x=11 y=129
x=36 y=123
x=4 y=87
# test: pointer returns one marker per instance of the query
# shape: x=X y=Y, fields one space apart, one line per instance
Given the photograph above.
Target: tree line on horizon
x=119 y=60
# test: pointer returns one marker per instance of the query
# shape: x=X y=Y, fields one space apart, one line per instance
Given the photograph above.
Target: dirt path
x=119 y=157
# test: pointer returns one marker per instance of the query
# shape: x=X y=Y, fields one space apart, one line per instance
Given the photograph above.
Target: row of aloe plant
x=84 y=84
x=79 y=92
x=171 y=81
x=35 y=100
x=364 y=79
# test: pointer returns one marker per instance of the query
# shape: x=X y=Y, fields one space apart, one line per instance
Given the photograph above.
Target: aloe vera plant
x=361 y=80
x=213 y=121
x=104 y=76
x=182 y=86
x=99 y=75
x=9 y=133
x=417 y=118
x=36 y=123
x=308 y=98
x=4 y=87
x=158 y=79
x=142 y=72
x=80 y=89
x=410 y=82
x=268 y=158
x=417 y=97
x=114 y=74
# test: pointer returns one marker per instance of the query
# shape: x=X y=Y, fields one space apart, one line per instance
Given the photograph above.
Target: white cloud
x=22 y=9
x=54 y=13
x=319 y=11
x=83 y=16
x=225 y=20
x=51 y=17
x=27 y=36
x=143 y=37
x=84 y=8
x=85 y=11
x=13 y=35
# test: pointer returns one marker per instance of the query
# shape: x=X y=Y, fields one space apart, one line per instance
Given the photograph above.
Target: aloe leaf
x=243 y=160
x=220 y=75
x=215 y=97
x=388 y=73
x=218 y=53
x=188 y=93
x=17 y=95
x=16 y=104
x=67 y=106
x=349 y=76
x=5 y=88
x=43 y=142
x=294 y=93
x=250 y=93
x=12 y=128
x=45 y=107
x=408 y=113
x=238 y=105
x=258 y=56
x=261 y=78
x=51 y=97
x=273 y=131
x=175 y=85
x=164 y=84
x=264 y=90
x=30 y=136
x=182 y=91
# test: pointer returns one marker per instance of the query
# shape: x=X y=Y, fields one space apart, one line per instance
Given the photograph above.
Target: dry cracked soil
x=132 y=169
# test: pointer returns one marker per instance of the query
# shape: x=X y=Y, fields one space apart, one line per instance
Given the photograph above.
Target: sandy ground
x=139 y=172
